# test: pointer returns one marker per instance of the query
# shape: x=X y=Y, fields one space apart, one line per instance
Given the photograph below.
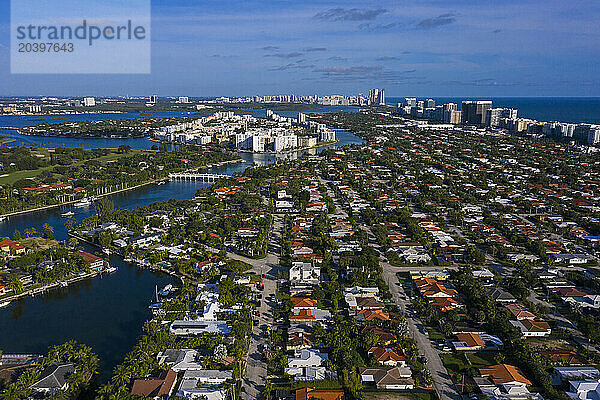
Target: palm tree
x=14 y=283
x=121 y=376
x=48 y=231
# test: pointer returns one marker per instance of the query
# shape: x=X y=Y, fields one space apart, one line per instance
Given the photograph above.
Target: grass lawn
x=420 y=395
x=454 y=363
x=482 y=358
x=15 y=176
x=435 y=334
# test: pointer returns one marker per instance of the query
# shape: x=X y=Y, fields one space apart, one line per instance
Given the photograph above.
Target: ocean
x=563 y=109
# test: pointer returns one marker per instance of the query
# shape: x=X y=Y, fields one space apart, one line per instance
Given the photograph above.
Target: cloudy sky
x=426 y=48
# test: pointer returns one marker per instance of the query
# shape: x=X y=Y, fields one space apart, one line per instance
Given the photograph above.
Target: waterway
x=105 y=313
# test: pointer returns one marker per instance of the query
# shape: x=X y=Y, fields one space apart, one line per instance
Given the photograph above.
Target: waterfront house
x=96 y=263
x=192 y=328
x=11 y=247
x=144 y=240
x=158 y=388
x=209 y=376
x=191 y=388
x=181 y=359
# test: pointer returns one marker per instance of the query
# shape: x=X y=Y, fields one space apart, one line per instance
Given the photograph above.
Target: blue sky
x=426 y=48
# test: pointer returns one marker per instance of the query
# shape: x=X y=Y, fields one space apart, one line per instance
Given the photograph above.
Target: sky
x=425 y=48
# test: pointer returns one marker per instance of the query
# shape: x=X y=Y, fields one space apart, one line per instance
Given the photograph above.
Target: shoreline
x=138 y=263
x=51 y=206
x=42 y=289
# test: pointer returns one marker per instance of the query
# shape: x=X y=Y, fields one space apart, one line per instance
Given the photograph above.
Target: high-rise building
x=184 y=99
x=153 y=99
x=410 y=101
x=377 y=96
x=475 y=112
x=89 y=102
x=494 y=116
x=450 y=107
x=587 y=133
x=452 y=117
x=429 y=103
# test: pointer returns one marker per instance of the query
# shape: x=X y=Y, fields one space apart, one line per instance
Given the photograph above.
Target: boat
x=161 y=182
x=67 y=214
x=63 y=284
x=4 y=304
x=166 y=290
x=155 y=306
x=111 y=269
x=83 y=202
x=3 y=218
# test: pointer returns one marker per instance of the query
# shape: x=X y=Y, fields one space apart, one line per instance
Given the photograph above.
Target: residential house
x=299 y=340
x=319 y=394
x=390 y=356
x=501 y=296
x=96 y=263
x=520 y=312
x=159 y=388
x=384 y=335
x=53 y=378
x=307 y=358
x=209 y=376
x=372 y=315
x=469 y=341
x=504 y=382
x=191 y=388
x=388 y=378
x=11 y=247
x=181 y=359
x=192 y=328
x=586 y=301
x=532 y=328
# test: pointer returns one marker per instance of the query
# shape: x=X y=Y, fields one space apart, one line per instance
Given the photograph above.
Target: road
x=256 y=368
x=442 y=382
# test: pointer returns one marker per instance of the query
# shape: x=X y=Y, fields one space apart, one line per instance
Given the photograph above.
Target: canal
x=107 y=312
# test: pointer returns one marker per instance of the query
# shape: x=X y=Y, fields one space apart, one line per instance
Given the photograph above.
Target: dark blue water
x=563 y=109
x=19 y=121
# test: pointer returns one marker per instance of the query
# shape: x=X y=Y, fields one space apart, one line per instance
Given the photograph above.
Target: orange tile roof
x=504 y=373
x=319 y=394
x=383 y=354
x=371 y=315
x=303 y=302
x=471 y=339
